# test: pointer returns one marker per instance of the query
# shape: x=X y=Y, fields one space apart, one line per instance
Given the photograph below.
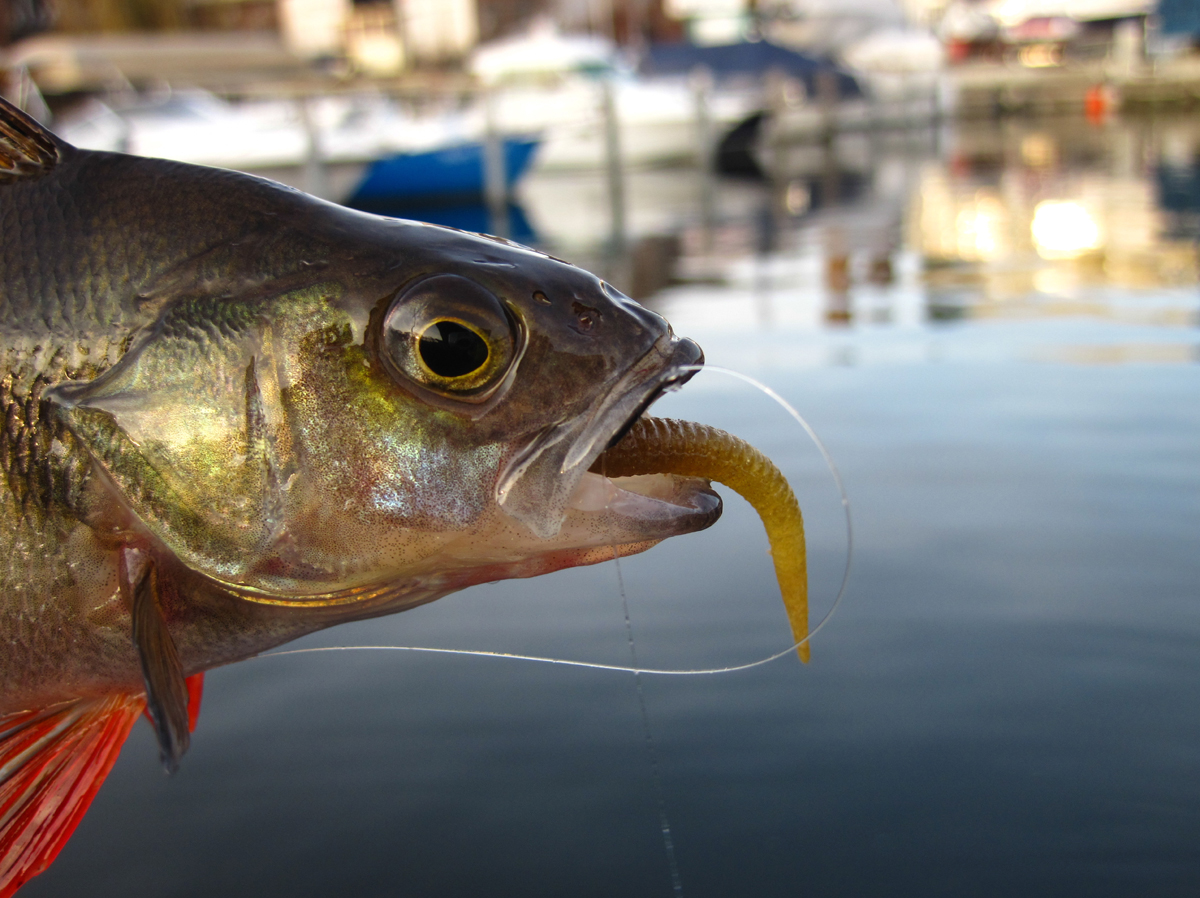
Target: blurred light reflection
x=1064 y=229
x=980 y=228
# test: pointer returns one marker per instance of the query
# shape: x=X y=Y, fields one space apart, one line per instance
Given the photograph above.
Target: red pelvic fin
x=195 y=690
x=52 y=762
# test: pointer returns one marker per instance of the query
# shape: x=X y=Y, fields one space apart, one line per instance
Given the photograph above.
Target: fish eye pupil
x=450 y=349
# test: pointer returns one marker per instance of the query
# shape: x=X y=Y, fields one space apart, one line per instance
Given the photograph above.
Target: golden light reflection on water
x=1121 y=354
x=1042 y=219
x=1110 y=226
x=1064 y=229
x=979 y=229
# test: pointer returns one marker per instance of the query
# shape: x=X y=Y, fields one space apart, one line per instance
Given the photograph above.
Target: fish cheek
x=383 y=478
x=553 y=385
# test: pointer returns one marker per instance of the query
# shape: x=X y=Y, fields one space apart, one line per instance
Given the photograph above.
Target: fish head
x=415 y=420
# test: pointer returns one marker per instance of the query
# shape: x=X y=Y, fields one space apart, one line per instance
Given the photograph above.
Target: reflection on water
x=1006 y=219
x=1005 y=704
x=1063 y=223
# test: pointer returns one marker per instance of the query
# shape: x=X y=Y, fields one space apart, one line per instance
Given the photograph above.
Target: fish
x=234 y=414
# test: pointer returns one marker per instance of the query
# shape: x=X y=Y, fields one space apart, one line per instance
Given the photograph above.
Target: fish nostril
x=586 y=318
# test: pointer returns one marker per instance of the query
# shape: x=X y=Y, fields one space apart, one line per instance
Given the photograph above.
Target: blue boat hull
x=444 y=175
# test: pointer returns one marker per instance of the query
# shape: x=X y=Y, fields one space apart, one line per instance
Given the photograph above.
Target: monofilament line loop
x=654 y=671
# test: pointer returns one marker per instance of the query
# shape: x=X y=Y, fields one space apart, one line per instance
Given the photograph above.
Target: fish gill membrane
x=670 y=446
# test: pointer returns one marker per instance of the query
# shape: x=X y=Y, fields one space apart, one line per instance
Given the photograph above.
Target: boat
x=443 y=175
x=568 y=87
x=786 y=80
x=356 y=150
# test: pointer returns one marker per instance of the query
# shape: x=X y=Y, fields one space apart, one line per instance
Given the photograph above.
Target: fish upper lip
x=685 y=360
x=671 y=381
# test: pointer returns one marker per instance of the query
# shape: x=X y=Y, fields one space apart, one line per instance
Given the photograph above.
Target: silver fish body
x=228 y=384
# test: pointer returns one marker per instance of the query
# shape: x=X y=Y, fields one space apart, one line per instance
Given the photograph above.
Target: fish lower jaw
x=609 y=518
x=647 y=506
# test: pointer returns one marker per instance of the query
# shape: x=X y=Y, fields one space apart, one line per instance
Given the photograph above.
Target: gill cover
x=256 y=439
x=180 y=428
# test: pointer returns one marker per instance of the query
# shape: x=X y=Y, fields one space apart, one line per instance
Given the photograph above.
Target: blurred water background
x=993 y=323
x=994 y=329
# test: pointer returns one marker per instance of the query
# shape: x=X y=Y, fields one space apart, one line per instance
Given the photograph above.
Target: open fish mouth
x=648 y=506
x=548 y=483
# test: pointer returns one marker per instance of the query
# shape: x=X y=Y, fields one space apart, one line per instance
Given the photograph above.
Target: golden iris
x=451 y=348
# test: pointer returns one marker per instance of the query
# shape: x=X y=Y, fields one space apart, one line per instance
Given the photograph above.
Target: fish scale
x=38 y=618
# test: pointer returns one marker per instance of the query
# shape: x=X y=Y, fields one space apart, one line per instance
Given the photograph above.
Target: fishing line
x=636 y=668
x=664 y=823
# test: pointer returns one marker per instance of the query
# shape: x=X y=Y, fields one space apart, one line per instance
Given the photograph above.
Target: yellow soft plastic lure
x=668 y=446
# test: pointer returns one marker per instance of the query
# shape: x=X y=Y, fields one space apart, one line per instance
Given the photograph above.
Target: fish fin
x=27 y=150
x=195 y=690
x=52 y=763
x=162 y=672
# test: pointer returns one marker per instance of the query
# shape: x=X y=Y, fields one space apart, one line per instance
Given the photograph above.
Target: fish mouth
x=613 y=418
x=547 y=484
x=650 y=507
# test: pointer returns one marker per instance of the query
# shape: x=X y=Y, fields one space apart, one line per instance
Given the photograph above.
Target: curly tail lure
x=669 y=446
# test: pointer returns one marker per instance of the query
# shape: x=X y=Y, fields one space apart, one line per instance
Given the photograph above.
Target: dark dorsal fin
x=27 y=150
x=52 y=762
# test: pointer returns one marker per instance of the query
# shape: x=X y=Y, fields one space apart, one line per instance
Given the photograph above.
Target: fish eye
x=451 y=348
x=450 y=334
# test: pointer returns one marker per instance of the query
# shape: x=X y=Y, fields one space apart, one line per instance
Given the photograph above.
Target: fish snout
x=686 y=356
